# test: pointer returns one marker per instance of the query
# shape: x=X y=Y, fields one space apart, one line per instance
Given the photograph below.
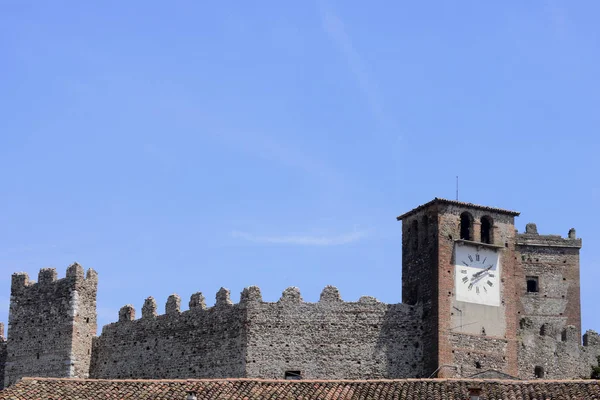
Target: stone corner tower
x=51 y=324
x=458 y=260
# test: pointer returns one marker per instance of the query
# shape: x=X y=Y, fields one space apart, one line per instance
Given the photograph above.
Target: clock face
x=477 y=275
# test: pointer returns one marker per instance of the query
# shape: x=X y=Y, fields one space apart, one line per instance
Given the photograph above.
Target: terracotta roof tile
x=251 y=389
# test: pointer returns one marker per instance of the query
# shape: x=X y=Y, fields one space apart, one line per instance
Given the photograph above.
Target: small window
x=532 y=284
x=466 y=226
x=477 y=364
x=539 y=372
x=293 y=375
x=486 y=229
x=474 y=394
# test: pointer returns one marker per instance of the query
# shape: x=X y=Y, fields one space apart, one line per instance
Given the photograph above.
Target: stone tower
x=458 y=260
x=51 y=324
x=549 y=310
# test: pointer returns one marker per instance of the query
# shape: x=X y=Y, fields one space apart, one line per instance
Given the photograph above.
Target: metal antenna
x=456 y=187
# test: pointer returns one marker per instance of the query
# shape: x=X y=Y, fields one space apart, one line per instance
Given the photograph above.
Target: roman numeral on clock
x=477 y=257
x=490 y=283
x=465 y=279
x=471 y=258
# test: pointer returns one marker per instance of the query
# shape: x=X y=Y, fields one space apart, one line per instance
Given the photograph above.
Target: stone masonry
x=328 y=339
x=51 y=325
x=535 y=332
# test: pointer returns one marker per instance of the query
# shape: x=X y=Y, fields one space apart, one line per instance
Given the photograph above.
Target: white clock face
x=477 y=275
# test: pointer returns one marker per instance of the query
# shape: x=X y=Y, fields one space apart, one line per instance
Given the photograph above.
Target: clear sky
x=182 y=146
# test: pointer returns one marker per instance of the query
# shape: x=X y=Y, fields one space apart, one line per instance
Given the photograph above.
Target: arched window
x=466 y=226
x=414 y=234
x=425 y=229
x=486 y=229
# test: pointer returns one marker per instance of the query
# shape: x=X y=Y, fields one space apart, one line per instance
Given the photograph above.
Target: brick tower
x=51 y=324
x=458 y=260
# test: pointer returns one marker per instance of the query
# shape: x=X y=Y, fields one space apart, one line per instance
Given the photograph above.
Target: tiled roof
x=250 y=389
x=457 y=203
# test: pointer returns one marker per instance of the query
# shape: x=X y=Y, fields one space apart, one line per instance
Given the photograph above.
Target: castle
x=477 y=298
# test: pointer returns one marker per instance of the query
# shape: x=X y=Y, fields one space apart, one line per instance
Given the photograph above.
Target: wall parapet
x=250 y=296
x=591 y=338
x=257 y=338
x=531 y=237
x=49 y=276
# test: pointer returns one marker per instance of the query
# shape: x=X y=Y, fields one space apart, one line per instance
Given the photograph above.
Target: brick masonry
x=52 y=323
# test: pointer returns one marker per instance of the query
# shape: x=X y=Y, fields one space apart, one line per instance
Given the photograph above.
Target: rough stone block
x=251 y=294
x=126 y=313
x=47 y=275
x=223 y=298
x=173 y=305
x=149 y=308
x=291 y=295
x=330 y=294
x=197 y=301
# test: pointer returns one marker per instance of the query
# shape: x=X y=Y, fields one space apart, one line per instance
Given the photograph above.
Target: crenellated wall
x=558 y=351
x=329 y=339
x=51 y=324
x=333 y=339
x=534 y=331
x=200 y=342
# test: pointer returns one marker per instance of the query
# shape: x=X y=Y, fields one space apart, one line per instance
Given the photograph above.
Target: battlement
x=48 y=276
x=249 y=296
x=242 y=339
x=591 y=338
x=531 y=237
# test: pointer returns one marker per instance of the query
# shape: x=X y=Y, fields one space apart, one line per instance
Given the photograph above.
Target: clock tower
x=458 y=260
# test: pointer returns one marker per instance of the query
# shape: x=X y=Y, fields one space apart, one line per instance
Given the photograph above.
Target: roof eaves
x=439 y=200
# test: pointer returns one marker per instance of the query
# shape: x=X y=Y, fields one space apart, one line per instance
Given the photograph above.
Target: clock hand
x=477 y=279
x=476 y=274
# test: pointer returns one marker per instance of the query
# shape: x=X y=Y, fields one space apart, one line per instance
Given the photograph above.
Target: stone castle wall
x=51 y=324
x=200 y=343
x=329 y=339
x=333 y=339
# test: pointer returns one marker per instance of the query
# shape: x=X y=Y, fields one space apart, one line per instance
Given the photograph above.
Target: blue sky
x=181 y=147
